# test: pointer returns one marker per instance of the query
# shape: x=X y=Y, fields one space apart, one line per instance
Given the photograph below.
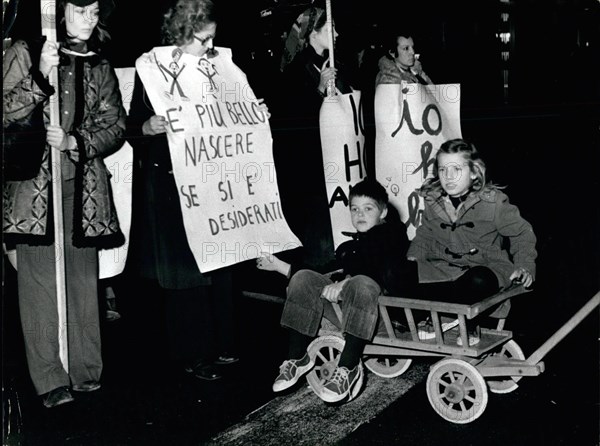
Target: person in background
x=401 y=63
x=198 y=307
x=297 y=141
x=92 y=123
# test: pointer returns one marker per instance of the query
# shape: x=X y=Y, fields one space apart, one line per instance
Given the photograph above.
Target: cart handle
x=539 y=354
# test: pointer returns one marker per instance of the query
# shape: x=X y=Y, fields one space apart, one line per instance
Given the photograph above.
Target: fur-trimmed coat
x=98 y=128
x=389 y=73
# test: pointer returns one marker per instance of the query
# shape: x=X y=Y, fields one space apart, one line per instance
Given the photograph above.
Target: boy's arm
x=270 y=262
x=332 y=291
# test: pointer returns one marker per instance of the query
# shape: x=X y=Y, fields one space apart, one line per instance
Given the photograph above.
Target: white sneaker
x=291 y=371
x=473 y=339
x=426 y=330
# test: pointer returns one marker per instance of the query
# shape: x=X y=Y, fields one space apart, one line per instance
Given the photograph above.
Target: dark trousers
x=474 y=285
x=304 y=306
x=200 y=320
x=38 y=308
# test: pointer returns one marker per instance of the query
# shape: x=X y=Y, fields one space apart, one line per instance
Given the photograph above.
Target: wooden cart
x=457 y=385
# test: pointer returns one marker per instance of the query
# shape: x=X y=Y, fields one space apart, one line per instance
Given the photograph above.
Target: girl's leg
x=474 y=285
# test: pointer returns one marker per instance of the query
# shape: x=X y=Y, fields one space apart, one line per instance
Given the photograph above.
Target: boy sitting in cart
x=369 y=263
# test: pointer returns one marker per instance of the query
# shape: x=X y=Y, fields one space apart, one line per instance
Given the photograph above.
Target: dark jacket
x=486 y=230
x=159 y=246
x=378 y=253
x=98 y=129
x=299 y=161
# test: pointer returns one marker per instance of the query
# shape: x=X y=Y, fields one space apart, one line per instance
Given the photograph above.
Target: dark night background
x=540 y=136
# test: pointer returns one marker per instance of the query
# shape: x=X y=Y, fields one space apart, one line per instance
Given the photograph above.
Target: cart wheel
x=456 y=391
x=388 y=366
x=325 y=351
x=509 y=350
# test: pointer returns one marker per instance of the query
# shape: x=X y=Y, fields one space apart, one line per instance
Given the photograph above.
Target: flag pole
x=331 y=84
x=48 y=15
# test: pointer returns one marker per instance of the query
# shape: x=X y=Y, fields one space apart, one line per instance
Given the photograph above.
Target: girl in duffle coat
x=471 y=241
x=92 y=123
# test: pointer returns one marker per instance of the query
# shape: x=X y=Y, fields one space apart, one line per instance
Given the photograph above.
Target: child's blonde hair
x=471 y=155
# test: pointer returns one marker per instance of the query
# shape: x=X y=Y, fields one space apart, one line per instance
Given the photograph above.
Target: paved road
x=302 y=418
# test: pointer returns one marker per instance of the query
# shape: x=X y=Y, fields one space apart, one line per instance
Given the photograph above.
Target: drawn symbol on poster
x=426 y=159
x=174 y=72
x=209 y=71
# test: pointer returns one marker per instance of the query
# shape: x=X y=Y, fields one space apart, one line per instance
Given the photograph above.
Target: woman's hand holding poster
x=221 y=149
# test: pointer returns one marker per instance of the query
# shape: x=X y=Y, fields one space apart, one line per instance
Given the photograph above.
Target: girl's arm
x=102 y=131
x=520 y=233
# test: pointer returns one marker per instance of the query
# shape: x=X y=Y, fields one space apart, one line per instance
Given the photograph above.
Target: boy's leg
x=359 y=302
x=304 y=305
x=360 y=313
x=359 y=299
x=302 y=314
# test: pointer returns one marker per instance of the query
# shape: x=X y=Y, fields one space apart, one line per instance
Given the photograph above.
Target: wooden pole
x=331 y=85
x=48 y=14
x=539 y=354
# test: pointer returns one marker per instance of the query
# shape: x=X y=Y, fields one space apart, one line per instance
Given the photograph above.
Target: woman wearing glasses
x=198 y=307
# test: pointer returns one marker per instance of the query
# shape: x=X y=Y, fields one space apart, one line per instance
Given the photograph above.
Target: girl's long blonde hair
x=473 y=158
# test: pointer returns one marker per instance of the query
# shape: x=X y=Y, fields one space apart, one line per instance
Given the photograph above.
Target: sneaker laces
x=286 y=366
x=339 y=375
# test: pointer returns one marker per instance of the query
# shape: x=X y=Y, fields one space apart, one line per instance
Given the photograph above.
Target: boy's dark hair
x=370 y=188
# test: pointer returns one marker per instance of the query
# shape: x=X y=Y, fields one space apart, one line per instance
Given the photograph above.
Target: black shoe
x=226 y=359
x=86 y=386
x=204 y=370
x=56 y=397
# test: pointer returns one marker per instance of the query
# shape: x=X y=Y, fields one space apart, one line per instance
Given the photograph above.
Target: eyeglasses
x=203 y=40
x=211 y=52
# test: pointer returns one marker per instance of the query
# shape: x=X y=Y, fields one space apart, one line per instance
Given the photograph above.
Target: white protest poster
x=222 y=154
x=111 y=262
x=343 y=145
x=411 y=122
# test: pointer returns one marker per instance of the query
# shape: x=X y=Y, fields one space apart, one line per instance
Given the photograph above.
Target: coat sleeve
x=420 y=246
x=140 y=112
x=23 y=86
x=519 y=232
x=102 y=131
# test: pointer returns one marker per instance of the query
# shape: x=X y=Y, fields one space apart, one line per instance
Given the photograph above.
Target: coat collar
x=439 y=203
